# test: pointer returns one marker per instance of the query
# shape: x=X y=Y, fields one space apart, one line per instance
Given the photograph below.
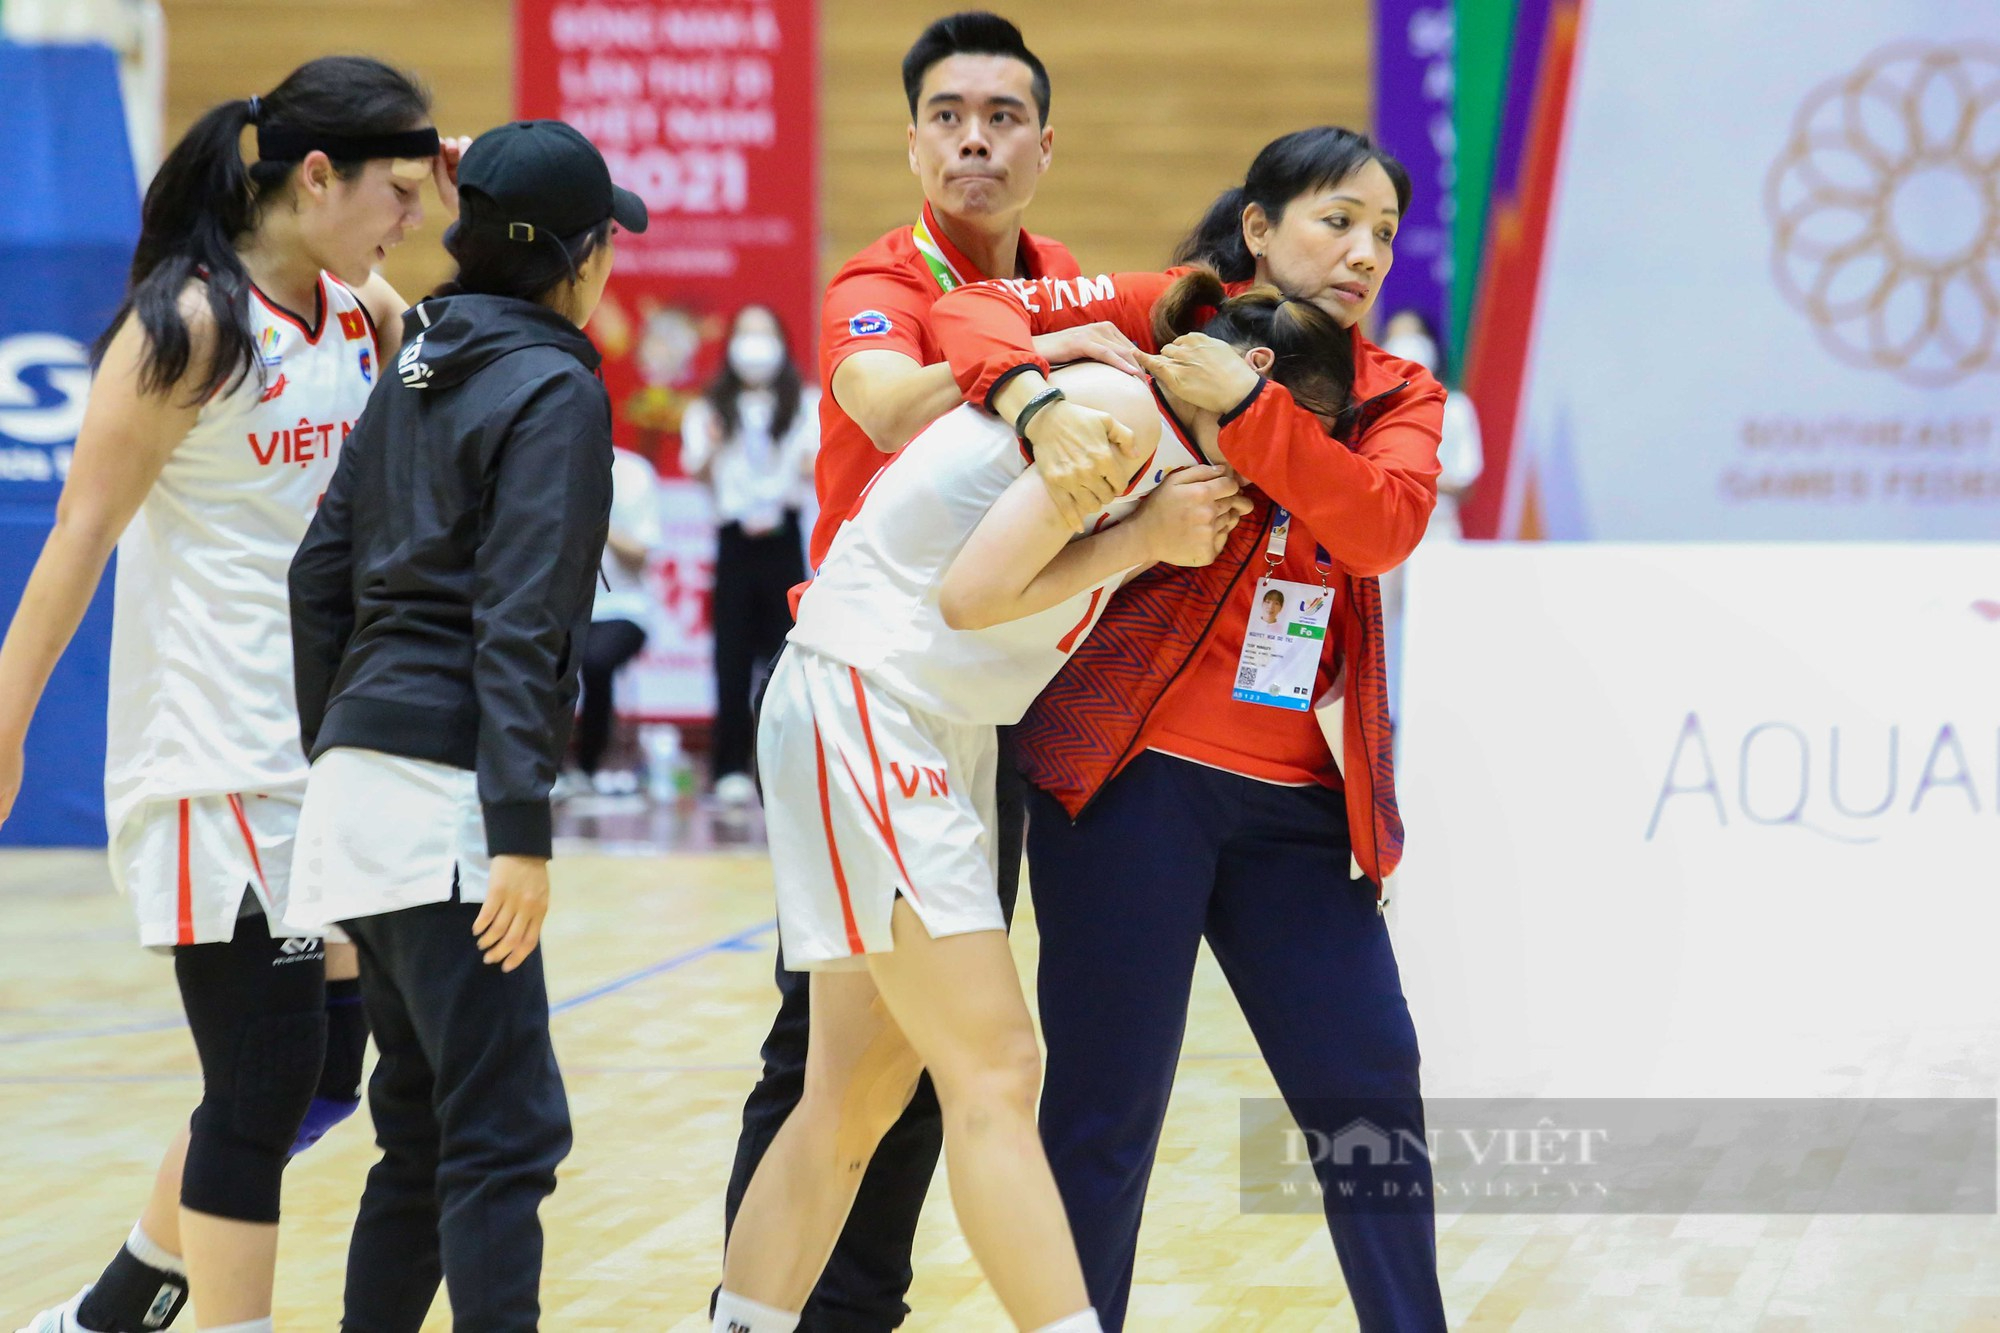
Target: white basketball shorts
x=186 y=863
x=866 y=799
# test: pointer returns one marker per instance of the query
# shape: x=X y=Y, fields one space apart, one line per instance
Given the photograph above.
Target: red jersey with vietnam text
x=881 y=300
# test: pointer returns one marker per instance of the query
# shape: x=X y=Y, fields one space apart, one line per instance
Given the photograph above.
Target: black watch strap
x=1034 y=405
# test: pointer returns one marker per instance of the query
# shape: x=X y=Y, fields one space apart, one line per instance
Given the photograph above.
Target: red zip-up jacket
x=1364 y=495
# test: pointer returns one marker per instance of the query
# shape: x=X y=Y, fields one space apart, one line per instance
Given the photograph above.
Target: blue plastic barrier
x=69 y=215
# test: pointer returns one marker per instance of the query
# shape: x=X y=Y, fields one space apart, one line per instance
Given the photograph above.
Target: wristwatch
x=1052 y=394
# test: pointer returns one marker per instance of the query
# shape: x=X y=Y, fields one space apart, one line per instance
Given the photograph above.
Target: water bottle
x=666 y=762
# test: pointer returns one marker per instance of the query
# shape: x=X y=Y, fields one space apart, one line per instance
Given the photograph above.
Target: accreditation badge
x=1279 y=664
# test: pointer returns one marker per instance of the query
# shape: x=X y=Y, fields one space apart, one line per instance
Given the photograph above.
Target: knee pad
x=242 y=1133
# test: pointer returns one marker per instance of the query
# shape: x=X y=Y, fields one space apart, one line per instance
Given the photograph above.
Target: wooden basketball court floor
x=659 y=968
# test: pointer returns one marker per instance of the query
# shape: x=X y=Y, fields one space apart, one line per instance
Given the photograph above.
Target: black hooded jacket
x=441 y=595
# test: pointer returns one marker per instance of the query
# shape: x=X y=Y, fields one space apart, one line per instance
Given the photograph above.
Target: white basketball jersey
x=201 y=635
x=874 y=602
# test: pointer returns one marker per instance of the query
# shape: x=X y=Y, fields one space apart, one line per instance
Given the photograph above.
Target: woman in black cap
x=438 y=605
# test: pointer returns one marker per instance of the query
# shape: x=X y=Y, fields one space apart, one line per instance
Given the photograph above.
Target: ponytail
x=1188 y=305
x=1312 y=355
x=1217 y=240
x=204 y=201
x=490 y=263
x=198 y=204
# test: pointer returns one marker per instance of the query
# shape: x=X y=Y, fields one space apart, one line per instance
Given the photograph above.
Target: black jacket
x=440 y=598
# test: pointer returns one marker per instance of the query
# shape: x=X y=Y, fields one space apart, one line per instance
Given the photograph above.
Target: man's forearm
x=891 y=406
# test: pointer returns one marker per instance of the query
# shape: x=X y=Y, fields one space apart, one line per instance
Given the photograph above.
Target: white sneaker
x=735 y=789
x=62 y=1319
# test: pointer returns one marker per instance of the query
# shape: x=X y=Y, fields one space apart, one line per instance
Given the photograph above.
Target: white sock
x=739 y=1314
x=248 y=1326
x=1083 y=1321
x=151 y=1253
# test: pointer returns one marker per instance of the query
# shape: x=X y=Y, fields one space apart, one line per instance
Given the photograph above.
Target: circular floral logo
x=1885 y=212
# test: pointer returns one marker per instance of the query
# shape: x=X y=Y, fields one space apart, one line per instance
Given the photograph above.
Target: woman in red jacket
x=1197 y=776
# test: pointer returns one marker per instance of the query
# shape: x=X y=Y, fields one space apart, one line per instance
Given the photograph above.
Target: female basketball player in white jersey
x=250 y=337
x=946 y=603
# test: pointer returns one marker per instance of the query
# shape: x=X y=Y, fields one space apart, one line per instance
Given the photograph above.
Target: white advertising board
x=1716 y=820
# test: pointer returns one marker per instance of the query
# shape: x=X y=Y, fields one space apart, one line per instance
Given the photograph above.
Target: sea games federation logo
x=44 y=381
x=1885 y=212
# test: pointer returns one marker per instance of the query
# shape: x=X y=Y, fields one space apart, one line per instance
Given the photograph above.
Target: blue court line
x=743 y=941
x=740 y=942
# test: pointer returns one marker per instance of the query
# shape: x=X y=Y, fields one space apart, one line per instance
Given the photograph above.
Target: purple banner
x=1413 y=120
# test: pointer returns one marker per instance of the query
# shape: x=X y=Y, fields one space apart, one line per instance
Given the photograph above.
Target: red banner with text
x=709 y=112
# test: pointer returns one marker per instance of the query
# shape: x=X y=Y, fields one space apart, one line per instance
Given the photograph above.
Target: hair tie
x=256 y=105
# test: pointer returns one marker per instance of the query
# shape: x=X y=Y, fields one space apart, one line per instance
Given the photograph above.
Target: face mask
x=1415 y=347
x=756 y=357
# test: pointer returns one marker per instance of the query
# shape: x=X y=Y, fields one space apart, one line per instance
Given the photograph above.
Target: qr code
x=1246 y=677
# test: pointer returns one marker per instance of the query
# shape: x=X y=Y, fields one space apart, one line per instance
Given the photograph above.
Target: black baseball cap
x=544 y=176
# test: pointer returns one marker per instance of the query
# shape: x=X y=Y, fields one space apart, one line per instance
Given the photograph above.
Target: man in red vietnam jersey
x=978 y=141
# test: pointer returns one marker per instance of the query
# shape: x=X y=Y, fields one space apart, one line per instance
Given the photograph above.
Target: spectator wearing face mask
x=1408 y=336
x=752 y=437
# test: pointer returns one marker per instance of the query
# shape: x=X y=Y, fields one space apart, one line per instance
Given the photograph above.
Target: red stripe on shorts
x=1139 y=476
x=882 y=821
x=185 y=934
x=833 y=848
x=243 y=823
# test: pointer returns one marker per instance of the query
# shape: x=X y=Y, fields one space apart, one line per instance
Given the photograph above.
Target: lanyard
x=1281 y=531
x=941 y=270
